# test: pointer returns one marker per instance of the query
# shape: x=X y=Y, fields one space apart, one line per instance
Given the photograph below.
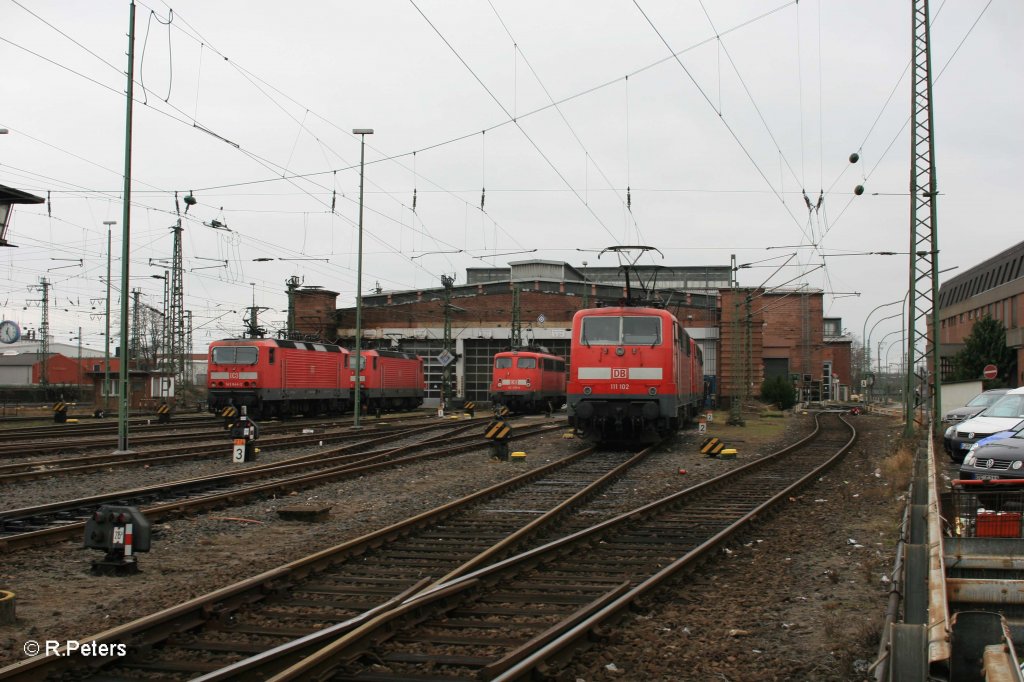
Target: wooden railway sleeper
x=552 y=633
x=356 y=643
x=283 y=655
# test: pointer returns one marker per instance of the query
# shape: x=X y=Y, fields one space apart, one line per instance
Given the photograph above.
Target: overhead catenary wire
x=251 y=77
x=588 y=157
x=203 y=45
x=906 y=121
x=515 y=122
x=750 y=96
x=170 y=60
x=553 y=104
x=257 y=82
x=728 y=127
x=812 y=210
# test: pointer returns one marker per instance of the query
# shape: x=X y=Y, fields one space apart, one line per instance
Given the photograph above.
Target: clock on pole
x=10 y=332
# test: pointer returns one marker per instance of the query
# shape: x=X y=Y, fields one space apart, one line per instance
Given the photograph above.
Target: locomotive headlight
x=652 y=391
x=620 y=351
x=587 y=390
x=527 y=383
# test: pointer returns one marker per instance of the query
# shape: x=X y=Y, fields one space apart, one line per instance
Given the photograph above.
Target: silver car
x=974 y=406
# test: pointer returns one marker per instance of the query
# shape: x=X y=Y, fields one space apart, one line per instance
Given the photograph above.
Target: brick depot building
x=550 y=292
x=993 y=288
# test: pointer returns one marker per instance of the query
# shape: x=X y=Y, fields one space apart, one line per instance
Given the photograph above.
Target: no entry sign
x=990 y=372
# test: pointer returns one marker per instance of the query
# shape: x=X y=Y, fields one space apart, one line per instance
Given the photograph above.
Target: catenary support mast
x=922 y=390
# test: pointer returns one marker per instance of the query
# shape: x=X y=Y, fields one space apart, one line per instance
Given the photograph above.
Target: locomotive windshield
x=235 y=355
x=621 y=331
x=352 y=362
x=527 y=363
x=502 y=363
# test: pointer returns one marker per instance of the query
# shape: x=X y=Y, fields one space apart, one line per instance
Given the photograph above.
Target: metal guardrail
x=924 y=638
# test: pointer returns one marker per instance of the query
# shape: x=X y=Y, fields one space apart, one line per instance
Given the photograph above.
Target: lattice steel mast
x=516 y=341
x=187 y=376
x=446 y=375
x=176 y=310
x=44 y=333
x=924 y=242
x=135 y=341
x=292 y=283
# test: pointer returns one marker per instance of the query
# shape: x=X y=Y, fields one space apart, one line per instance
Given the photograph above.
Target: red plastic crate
x=998 y=525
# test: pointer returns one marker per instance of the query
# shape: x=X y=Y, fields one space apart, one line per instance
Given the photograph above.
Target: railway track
x=71 y=439
x=91 y=426
x=348 y=579
x=28 y=470
x=522 y=615
x=57 y=521
x=485 y=615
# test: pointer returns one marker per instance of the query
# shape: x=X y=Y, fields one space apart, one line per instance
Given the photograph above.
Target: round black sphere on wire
x=854 y=157
x=858 y=190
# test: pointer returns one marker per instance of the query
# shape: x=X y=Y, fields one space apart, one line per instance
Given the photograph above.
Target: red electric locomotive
x=636 y=374
x=390 y=380
x=274 y=378
x=528 y=381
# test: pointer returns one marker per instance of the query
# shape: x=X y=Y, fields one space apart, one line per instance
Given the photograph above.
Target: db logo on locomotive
x=619 y=373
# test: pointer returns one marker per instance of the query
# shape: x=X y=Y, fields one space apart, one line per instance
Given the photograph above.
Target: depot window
x=235 y=355
x=621 y=331
x=502 y=363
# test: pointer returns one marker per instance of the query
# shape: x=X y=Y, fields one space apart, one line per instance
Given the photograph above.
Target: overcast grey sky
x=250 y=106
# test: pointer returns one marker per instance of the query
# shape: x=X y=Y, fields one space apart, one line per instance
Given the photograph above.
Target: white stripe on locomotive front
x=638 y=373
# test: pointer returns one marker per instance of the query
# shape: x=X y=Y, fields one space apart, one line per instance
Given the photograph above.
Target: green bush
x=779 y=392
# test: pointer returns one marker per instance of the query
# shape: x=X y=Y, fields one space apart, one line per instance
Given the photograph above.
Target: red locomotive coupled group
x=273 y=378
x=528 y=381
x=636 y=374
x=390 y=380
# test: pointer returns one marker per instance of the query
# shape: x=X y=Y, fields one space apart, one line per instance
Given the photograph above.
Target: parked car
x=974 y=406
x=996 y=458
x=1002 y=415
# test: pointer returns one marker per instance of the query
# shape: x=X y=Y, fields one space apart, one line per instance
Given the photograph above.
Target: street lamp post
x=357 y=376
x=866 y=360
x=868 y=341
x=880 y=342
x=106 y=339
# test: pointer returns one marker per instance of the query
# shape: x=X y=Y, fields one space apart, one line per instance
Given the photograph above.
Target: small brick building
x=782 y=333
